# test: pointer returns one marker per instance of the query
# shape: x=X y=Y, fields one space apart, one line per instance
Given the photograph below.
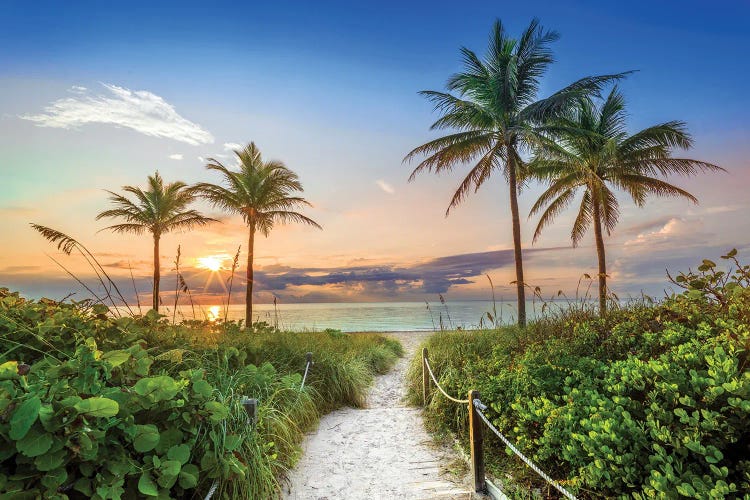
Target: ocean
x=368 y=316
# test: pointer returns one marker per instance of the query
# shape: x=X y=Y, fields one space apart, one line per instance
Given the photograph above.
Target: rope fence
x=251 y=408
x=426 y=365
x=308 y=358
x=479 y=407
x=476 y=434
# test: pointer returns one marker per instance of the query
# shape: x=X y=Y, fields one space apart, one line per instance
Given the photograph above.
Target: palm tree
x=590 y=150
x=262 y=192
x=495 y=112
x=160 y=209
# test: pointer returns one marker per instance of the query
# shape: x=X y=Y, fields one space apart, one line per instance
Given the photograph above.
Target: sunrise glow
x=211 y=262
x=213 y=313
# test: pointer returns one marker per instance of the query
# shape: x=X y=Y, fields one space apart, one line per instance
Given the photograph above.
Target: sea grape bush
x=652 y=401
x=98 y=407
x=77 y=420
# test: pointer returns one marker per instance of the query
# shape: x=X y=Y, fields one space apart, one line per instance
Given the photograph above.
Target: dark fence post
x=251 y=408
x=476 y=442
x=425 y=377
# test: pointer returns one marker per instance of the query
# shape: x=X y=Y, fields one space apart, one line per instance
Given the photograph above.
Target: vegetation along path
x=381 y=451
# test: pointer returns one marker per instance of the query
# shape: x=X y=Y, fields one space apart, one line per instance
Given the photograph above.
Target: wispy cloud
x=139 y=110
x=385 y=186
x=176 y=156
x=11 y=211
x=675 y=231
x=231 y=146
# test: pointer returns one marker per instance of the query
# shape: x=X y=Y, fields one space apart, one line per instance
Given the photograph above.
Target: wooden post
x=476 y=438
x=425 y=377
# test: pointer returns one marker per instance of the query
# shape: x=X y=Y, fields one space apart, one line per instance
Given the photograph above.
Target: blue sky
x=331 y=89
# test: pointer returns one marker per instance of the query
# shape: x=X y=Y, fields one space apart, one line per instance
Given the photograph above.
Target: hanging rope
x=480 y=407
x=212 y=490
x=432 y=376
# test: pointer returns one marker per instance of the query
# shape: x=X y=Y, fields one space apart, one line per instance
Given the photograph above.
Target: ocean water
x=368 y=316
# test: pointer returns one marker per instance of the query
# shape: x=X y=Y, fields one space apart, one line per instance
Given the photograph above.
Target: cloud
x=127 y=264
x=176 y=156
x=11 y=211
x=231 y=146
x=19 y=269
x=139 y=110
x=648 y=225
x=675 y=231
x=722 y=209
x=431 y=277
x=385 y=186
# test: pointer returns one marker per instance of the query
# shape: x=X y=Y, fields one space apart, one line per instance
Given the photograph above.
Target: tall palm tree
x=160 y=209
x=590 y=150
x=495 y=111
x=263 y=193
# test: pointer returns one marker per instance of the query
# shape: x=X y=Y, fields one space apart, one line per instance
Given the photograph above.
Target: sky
x=100 y=95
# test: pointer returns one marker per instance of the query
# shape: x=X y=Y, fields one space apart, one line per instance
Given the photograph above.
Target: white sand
x=379 y=452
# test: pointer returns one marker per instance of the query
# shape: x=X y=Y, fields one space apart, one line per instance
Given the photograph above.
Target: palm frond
x=553 y=210
x=563 y=100
x=125 y=228
x=476 y=176
x=651 y=185
x=583 y=219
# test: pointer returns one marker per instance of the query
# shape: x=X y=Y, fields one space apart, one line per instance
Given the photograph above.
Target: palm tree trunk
x=600 y=255
x=249 y=292
x=520 y=287
x=157 y=274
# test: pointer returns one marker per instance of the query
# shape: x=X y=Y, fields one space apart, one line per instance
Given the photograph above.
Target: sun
x=212 y=263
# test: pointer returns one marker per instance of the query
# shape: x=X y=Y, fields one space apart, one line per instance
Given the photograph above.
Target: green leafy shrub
x=651 y=401
x=96 y=407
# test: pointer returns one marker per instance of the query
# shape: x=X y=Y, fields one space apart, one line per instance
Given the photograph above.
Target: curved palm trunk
x=601 y=256
x=520 y=287
x=249 y=292
x=157 y=274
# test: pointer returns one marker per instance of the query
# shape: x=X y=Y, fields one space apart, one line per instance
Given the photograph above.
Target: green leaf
x=24 y=417
x=46 y=417
x=50 y=461
x=159 y=388
x=146 y=437
x=55 y=478
x=142 y=366
x=9 y=370
x=147 y=486
x=116 y=358
x=170 y=468
x=168 y=438
x=181 y=453
x=97 y=407
x=686 y=489
x=99 y=309
x=189 y=476
x=203 y=388
x=34 y=443
x=232 y=442
x=217 y=411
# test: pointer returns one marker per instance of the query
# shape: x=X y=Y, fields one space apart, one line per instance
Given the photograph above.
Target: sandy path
x=378 y=452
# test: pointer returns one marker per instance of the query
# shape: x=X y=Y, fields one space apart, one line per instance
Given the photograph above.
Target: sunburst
x=211 y=262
